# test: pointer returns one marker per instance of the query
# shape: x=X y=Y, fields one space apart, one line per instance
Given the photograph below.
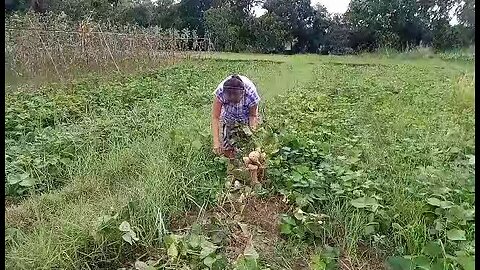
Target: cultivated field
x=370 y=163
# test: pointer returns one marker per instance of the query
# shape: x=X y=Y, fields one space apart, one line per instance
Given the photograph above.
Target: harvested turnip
x=254 y=156
x=246 y=160
x=252 y=167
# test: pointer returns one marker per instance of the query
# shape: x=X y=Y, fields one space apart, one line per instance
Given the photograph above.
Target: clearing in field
x=370 y=163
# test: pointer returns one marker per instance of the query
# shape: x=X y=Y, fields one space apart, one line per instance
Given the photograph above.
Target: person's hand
x=217 y=149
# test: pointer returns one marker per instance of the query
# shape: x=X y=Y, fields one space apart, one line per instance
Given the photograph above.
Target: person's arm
x=217 y=107
x=253 y=117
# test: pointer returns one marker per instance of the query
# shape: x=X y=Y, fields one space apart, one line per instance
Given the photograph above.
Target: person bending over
x=235 y=106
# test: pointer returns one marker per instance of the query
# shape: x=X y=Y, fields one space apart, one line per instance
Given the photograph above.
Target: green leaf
x=456 y=235
x=296 y=176
x=400 y=263
x=124 y=227
x=288 y=220
x=197 y=144
x=432 y=249
x=128 y=238
x=439 y=264
x=446 y=204
x=396 y=226
x=318 y=263
x=285 y=228
x=369 y=230
x=209 y=261
x=434 y=201
x=28 y=182
x=467 y=262
x=422 y=262
x=363 y=202
x=172 y=251
x=14 y=179
x=194 y=241
x=207 y=249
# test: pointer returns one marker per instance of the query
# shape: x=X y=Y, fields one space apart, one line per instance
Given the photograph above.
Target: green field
x=371 y=163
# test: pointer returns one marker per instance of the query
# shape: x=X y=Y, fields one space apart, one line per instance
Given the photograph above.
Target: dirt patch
x=265 y=213
x=243 y=220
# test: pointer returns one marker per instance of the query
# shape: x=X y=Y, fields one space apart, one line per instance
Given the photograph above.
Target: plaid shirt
x=237 y=112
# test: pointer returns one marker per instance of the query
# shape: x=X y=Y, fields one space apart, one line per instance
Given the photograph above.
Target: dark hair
x=233 y=83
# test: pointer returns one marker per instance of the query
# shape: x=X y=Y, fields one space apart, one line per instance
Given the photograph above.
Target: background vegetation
x=367 y=24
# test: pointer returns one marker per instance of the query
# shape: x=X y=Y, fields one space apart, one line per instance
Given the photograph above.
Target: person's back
x=236 y=102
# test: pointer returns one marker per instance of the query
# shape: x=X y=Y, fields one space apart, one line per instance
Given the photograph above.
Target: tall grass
x=51 y=46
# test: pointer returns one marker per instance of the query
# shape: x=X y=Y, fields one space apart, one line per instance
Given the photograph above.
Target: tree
x=391 y=23
x=271 y=34
x=192 y=14
x=338 y=35
x=297 y=16
x=222 y=30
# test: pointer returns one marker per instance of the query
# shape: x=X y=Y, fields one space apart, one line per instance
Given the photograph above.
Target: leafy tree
x=271 y=34
x=192 y=13
x=297 y=16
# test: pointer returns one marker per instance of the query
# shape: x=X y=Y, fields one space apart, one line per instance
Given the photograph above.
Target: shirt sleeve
x=252 y=97
x=220 y=94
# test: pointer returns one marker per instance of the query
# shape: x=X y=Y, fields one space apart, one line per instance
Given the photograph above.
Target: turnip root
x=254 y=156
x=247 y=161
x=263 y=156
x=252 y=167
x=254 y=176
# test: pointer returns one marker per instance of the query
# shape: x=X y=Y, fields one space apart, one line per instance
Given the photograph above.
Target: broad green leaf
x=207 y=249
x=289 y=220
x=434 y=201
x=28 y=182
x=363 y=202
x=197 y=144
x=296 y=176
x=446 y=204
x=456 y=235
x=124 y=227
x=194 y=241
x=396 y=226
x=433 y=249
x=172 y=251
x=209 y=261
x=467 y=262
x=14 y=179
x=318 y=263
x=285 y=228
x=369 y=230
x=422 y=262
x=400 y=263
x=127 y=237
x=439 y=264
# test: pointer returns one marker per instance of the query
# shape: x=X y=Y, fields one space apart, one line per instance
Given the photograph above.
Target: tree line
x=287 y=25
